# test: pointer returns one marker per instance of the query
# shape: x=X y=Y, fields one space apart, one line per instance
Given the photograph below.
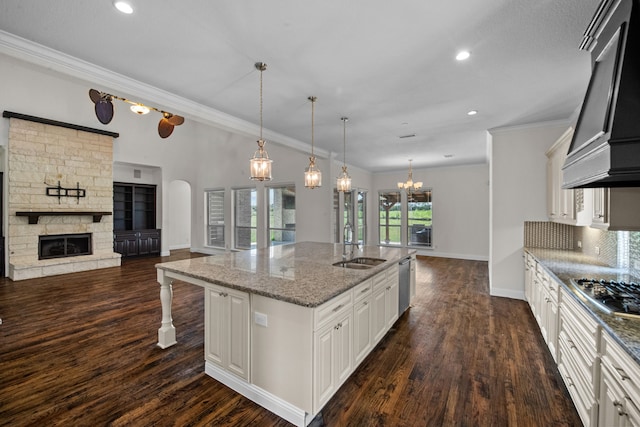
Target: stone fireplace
x=75 y=226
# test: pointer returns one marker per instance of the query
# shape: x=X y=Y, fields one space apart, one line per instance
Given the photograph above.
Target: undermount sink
x=360 y=263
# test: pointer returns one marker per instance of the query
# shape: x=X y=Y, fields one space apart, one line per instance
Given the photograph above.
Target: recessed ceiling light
x=123 y=7
x=448 y=156
x=462 y=55
x=472 y=113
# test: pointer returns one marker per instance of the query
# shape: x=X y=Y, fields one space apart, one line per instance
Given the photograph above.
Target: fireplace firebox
x=64 y=245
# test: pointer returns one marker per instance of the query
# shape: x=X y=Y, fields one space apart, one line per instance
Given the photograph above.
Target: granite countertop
x=299 y=273
x=565 y=265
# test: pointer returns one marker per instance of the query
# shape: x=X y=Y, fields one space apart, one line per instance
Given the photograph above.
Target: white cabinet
x=412 y=276
x=332 y=356
x=529 y=268
x=227 y=329
x=616 y=208
x=385 y=302
x=619 y=386
x=560 y=202
x=578 y=358
x=362 y=330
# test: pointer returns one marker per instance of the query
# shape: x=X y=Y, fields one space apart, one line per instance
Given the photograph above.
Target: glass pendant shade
x=344 y=181
x=312 y=175
x=261 y=164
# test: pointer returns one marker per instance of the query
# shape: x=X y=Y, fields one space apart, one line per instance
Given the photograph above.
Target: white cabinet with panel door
x=619 y=386
x=227 y=331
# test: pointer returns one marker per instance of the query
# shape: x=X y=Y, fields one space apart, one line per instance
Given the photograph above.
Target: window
x=419 y=218
x=356 y=215
x=215 y=218
x=390 y=218
x=282 y=214
x=361 y=217
x=245 y=216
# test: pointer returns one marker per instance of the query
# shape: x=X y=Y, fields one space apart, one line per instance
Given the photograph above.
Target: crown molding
x=52 y=59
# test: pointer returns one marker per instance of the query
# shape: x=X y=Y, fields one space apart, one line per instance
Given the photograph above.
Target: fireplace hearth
x=64 y=245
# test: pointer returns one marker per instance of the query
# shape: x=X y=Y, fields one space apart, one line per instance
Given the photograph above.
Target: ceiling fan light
x=140 y=109
x=123 y=7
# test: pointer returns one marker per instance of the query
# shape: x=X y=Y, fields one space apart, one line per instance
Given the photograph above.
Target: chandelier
x=344 y=180
x=312 y=175
x=410 y=185
x=260 y=163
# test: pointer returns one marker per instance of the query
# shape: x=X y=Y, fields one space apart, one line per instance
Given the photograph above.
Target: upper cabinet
x=560 y=203
x=604 y=208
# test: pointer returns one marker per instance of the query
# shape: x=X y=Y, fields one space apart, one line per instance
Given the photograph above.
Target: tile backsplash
x=619 y=249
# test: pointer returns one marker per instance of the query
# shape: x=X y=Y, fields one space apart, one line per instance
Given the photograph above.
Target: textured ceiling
x=388 y=66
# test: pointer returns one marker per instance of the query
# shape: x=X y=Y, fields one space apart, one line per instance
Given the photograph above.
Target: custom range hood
x=605 y=149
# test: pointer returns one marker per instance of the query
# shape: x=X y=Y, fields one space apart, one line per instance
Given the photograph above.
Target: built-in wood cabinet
x=134 y=220
x=616 y=208
x=227 y=333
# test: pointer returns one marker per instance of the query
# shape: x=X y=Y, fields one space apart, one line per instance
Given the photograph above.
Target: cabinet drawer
x=362 y=290
x=584 y=329
x=623 y=368
x=379 y=280
x=331 y=309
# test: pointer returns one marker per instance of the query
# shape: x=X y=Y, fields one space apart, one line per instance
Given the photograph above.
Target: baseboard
x=183 y=246
x=262 y=397
x=507 y=293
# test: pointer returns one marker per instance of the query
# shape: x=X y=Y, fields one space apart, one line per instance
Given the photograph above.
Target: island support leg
x=167 y=332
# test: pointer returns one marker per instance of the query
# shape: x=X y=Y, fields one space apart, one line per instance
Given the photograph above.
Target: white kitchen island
x=283 y=326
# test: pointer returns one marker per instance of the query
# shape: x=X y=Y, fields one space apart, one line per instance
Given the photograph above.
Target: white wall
x=518 y=194
x=460 y=198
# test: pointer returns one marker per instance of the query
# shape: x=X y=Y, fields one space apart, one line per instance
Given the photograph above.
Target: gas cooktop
x=619 y=298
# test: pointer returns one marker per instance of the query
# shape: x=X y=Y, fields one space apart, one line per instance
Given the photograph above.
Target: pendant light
x=312 y=175
x=260 y=163
x=344 y=180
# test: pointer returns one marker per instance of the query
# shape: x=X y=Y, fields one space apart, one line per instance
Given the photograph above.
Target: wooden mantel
x=34 y=216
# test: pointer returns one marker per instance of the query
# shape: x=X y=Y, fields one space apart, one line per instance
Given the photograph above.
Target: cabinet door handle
x=337 y=308
x=338 y=326
x=365 y=302
x=571 y=344
x=622 y=373
x=388 y=287
x=223 y=294
x=618 y=406
x=364 y=290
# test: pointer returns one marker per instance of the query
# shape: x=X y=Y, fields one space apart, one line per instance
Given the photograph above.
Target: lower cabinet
x=137 y=242
x=227 y=333
x=578 y=359
x=318 y=348
x=332 y=356
x=619 y=386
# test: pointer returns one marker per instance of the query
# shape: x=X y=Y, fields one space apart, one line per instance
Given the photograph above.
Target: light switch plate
x=260 y=319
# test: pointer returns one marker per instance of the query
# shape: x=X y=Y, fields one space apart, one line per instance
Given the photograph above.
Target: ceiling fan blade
x=165 y=128
x=176 y=120
x=104 y=111
x=94 y=95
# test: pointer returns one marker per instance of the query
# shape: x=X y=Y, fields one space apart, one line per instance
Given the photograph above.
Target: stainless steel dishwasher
x=404 y=285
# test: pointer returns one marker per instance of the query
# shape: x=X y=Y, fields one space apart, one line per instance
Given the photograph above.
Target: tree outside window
x=390 y=218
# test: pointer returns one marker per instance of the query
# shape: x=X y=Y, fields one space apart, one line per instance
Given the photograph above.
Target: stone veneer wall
x=39 y=153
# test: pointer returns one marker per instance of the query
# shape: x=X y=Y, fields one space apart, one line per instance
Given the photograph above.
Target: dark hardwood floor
x=80 y=350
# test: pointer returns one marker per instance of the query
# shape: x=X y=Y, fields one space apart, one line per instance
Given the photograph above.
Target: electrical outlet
x=579 y=244
x=597 y=249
